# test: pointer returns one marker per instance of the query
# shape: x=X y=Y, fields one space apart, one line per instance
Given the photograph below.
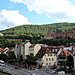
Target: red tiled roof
x=1 y=50
x=11 y=48
x=43 y=51
x=66 y=53
x=32 y=45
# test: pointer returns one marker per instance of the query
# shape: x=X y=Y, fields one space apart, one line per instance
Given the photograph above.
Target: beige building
x=46 y=57
x=34 y=48
x=49 y=59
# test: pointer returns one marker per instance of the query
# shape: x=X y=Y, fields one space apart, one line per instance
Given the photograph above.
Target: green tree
x=21 y=58
x=31 y=60
x=3 y=57
x=12 y=56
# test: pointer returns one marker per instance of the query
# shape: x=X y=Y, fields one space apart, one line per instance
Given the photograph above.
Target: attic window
x=62 y=53
x=49 y=54
x=53 y=50
x=48 y=50
x=56 y=50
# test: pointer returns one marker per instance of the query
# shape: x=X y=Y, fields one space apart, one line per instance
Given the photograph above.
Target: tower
x=49 y=33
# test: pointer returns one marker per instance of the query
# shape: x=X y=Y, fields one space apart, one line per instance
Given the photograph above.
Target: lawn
x=3 y=74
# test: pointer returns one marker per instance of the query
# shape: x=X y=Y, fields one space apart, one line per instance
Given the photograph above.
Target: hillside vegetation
x=38 y=30
x=35 y=33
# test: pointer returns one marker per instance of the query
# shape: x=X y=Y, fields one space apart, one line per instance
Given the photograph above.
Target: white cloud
x=11 y=18
x=58 y=9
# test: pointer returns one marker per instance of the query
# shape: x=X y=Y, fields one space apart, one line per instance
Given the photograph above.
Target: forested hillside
x=35 y=33
x=38 y=30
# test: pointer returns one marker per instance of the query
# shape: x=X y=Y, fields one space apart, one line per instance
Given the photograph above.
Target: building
x=60 y=35
x=46 y=57
x=22 y=49
x=63 y=55
x=34 y=48
x=1 y=34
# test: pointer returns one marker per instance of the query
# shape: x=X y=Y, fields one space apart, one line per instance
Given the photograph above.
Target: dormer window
x=53 y=50
x=62 y=53
x=48 y=50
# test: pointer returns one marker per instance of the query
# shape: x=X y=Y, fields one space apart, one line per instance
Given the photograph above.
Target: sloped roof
x=32 y=45
x=42 y=52
x=66 y=53
x=1 y=50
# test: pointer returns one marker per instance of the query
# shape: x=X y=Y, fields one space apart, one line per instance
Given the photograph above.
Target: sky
x=36 y=12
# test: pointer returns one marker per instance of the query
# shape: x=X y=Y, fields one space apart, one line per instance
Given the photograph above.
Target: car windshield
x=2 y=62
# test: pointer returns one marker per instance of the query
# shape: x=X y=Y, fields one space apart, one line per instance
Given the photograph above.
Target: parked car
x=2 y=63
x=16 y=67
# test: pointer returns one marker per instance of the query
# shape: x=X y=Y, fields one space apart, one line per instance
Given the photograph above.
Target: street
x=22 y=71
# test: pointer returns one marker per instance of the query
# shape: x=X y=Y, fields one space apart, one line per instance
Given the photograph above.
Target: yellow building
x=49 y=59
x=46 y=57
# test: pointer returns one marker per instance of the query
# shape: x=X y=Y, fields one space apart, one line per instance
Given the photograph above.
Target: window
x=46 y=63
x=53 y=50
x=46 y=59
x=31 y=54
x=31 y=49
x=62 y=53
x=45 y=55
x=48 y=50
x=49 y=63
x=48 y=54
x=49 y=59
x=52 y=59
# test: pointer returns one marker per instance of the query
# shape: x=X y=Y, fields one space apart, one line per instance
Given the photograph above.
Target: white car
x=2 y=63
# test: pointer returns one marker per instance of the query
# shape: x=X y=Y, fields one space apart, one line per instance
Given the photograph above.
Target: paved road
x=22 y=71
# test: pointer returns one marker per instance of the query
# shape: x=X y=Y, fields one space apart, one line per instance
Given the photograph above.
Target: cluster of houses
x=45 y=54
